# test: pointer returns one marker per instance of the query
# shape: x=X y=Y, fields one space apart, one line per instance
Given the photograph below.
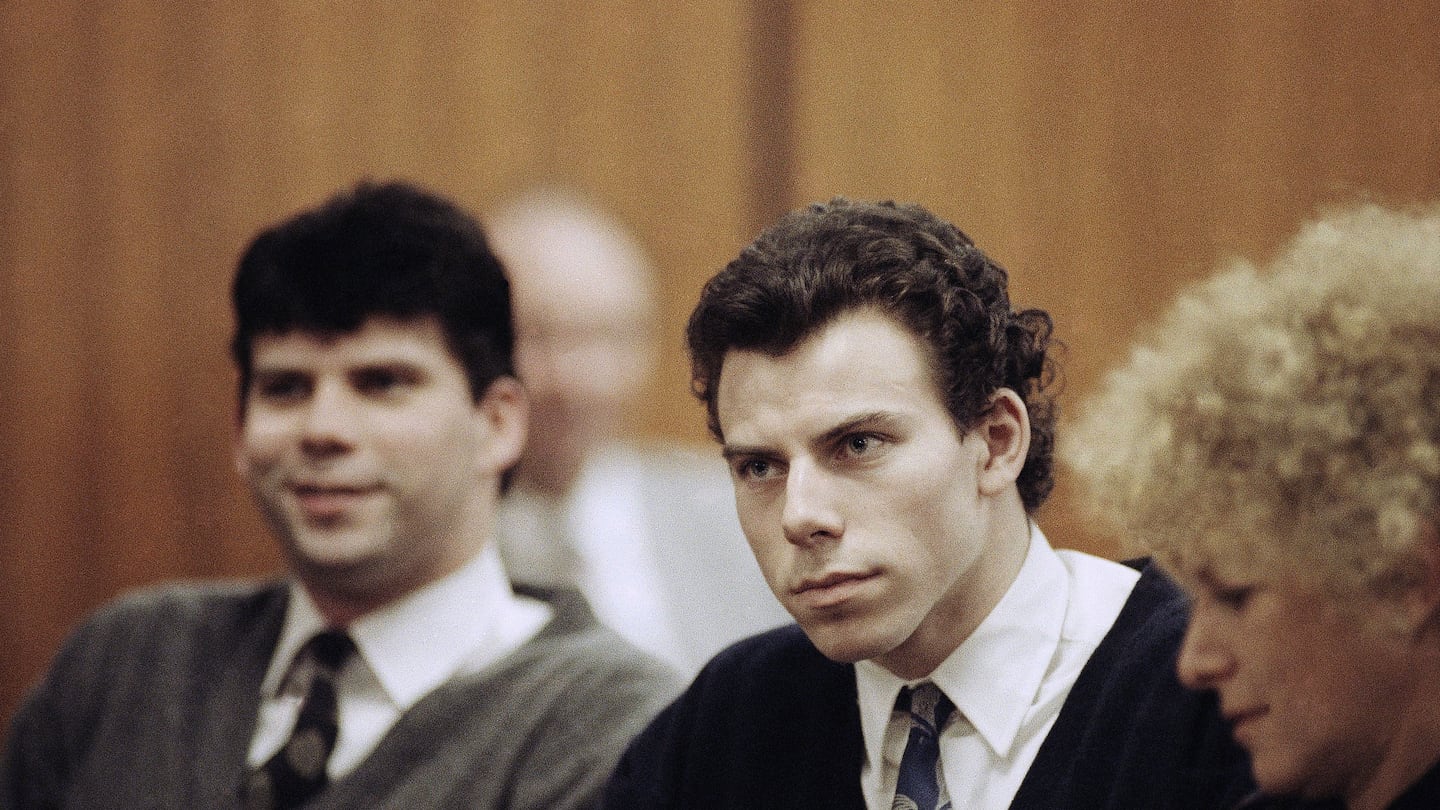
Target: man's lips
x=1240 y=718
x=327 y=501
x=832 y=589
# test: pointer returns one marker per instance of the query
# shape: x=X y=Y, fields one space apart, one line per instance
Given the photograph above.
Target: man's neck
x=971 y=598
x=341 y=605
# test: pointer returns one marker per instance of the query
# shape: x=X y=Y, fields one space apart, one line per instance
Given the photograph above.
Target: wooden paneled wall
x=1106 y=152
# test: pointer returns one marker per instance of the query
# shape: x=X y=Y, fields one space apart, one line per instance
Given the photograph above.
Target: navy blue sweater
x=1424 y=794
x=772 y=723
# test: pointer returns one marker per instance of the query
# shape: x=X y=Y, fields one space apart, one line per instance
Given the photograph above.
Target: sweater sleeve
x=119 y=720
x=576 y=748
x=644 y=778
x=50 y=732
x=768 y=723
x=33 y=768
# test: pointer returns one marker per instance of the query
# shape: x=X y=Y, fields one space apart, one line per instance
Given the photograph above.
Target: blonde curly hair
x=1284 y=421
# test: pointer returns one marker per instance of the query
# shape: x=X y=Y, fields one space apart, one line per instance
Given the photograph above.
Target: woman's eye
x=1234 y=598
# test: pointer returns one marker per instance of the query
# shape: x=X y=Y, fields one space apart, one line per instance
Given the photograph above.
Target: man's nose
x=329 y=421
x=811 y=513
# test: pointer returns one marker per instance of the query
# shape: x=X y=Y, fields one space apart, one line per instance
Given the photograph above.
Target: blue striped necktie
x=920 y=785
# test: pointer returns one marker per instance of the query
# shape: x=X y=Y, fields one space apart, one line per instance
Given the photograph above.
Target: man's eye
x=282 y=388
x=859 y=444
x=381 y=381
x=754 y=469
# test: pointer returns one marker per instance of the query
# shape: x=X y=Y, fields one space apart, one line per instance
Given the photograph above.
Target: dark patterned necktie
x=920 y=785
x=297 y=771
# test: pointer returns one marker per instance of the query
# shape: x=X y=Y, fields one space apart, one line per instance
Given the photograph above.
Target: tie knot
x=331 y=648
x=926 y=703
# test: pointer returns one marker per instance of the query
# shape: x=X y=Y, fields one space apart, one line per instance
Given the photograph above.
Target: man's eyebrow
x=734 y=451
x=394 y=364
x=275 y=370
x=871 y=420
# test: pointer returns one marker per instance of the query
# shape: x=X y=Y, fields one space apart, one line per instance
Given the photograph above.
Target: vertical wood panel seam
x=771 y=128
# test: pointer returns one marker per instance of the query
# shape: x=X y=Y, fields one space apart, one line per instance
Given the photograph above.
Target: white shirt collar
x=462 y=622
x=993 y=677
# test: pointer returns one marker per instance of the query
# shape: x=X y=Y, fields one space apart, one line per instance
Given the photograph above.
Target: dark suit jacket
x=772 y=723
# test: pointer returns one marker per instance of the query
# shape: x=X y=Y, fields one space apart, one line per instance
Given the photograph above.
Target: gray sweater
x=152 y=703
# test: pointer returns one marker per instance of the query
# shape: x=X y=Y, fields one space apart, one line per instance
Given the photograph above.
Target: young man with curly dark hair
x=889 y=428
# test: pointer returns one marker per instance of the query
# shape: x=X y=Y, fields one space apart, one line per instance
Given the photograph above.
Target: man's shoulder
x=781 y=648
x=1134 y=664
x=148 y=651
x=575 y=647
x=575 y=634
x=174 y=607
x=1146 y=633
x=768 y=722
x=1129 y=734
x=173 y=622
x=777 y=666
x=194 y=597
x=1156 y=612
x=549 y=720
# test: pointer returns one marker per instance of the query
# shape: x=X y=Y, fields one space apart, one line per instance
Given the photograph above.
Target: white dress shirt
x=607 y=519
x=457 y=625
x=598 y=539
x=1008 y=680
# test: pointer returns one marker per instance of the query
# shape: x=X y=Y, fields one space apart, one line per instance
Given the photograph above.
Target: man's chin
x=347 y=571
x=845 y=645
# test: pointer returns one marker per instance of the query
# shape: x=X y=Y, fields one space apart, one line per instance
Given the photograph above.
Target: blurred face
x=1313 y=693
x=369 y=458
x=583 y=355
x=583 y=342
x=859 y=497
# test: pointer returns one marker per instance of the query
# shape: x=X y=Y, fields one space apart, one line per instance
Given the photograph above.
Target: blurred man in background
x=648 y=534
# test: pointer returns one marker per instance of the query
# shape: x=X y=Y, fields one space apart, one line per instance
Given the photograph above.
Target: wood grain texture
x=1106 y=152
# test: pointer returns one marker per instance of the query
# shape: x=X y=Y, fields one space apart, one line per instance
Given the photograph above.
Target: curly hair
x=1288 y=420
x=830 y=258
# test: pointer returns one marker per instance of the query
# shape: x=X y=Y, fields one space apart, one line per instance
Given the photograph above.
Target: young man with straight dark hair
x=396 y=668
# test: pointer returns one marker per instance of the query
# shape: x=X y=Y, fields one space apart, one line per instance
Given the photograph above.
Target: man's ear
x=1005 y=429
x=237 y=446
x=504 y=416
